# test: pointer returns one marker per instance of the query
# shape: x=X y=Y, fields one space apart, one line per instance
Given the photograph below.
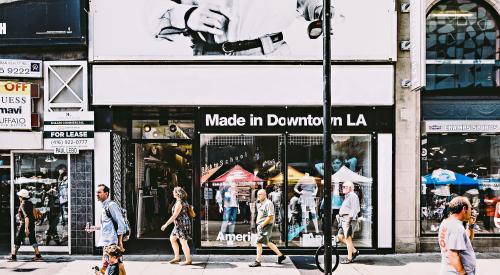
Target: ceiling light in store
x=460 y=166
x=436 y=148
x=50 y=158
x=470 y=140
x=454 y=156
x=155 y=134
x=147 y=128
x=483 y=168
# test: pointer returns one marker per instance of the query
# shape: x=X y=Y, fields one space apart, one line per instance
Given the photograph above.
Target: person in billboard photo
x=227 y=27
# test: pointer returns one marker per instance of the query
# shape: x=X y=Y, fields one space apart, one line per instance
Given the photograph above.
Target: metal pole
x=327 y=136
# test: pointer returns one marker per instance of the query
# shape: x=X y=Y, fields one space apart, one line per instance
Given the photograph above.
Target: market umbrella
x=444 y=176
x=346 y=174
x=294 y=176
x=209 y=173
x=237 y=174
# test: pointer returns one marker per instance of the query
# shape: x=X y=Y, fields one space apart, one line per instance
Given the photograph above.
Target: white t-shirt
x=452 y=236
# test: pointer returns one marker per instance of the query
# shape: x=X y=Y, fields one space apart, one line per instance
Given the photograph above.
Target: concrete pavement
x=406 y=264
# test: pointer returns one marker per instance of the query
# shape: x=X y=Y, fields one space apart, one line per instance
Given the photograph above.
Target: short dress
x=182 y=224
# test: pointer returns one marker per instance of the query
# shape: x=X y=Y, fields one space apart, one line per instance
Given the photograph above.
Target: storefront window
x=351 y=161
x=45 y=176
x=462 y=46
x=461 y=165
x=234 y=168
x=157 y=129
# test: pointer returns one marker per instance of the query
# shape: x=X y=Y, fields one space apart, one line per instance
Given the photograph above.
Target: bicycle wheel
x=320 y=258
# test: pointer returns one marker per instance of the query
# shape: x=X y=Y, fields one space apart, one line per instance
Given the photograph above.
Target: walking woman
x=182 y=226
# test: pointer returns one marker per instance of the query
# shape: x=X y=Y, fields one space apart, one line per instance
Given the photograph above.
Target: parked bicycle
x=320 y=255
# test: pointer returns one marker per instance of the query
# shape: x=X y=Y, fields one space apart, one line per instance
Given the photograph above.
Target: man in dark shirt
x=26 y=226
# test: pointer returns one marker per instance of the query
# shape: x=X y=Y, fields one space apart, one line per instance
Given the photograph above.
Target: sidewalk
x=406 y=264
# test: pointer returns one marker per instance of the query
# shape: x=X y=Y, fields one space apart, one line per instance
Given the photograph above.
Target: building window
x=351 y=160
x=46 y=177
x=463 y=48
x=234 y=168
x=461 y=165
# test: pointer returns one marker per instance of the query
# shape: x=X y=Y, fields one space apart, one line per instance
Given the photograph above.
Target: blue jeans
x=229 y=218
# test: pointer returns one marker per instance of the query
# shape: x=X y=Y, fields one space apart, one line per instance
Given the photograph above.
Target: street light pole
x=327 y=136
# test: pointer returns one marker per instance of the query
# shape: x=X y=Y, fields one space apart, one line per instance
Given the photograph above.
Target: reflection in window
x=45 y=176
x=234 y=168
x=351 y=160
x=462 y=46
x=461 y=165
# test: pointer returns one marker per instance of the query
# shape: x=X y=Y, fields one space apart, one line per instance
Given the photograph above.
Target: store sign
x=295 y=120
x=15 y=107
x=462 y=126
x=40 y=22
x=20 y=68
x=68 y=132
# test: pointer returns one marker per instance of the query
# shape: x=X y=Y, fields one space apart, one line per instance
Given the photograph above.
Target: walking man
x=26 y=226
x=265 y=220
x=348 y=217
x=112 y=224
x=457 y=254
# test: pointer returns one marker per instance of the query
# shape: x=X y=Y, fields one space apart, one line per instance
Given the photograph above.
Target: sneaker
x=37 y=257
x=346 y=261
x=255 y=264
x=281 y=258
x=11 y=258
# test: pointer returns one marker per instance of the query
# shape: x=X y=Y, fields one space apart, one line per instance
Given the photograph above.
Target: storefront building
x=43 y=69
x=223 y=126
x=460 y=118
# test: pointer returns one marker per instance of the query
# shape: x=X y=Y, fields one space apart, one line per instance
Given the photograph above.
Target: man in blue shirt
x=112 y=223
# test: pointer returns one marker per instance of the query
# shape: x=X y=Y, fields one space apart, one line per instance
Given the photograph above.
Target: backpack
x=126 y=235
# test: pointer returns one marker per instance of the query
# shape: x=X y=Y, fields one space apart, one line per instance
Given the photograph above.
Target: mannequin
x=228 y=204
x=275 y=197
x=308 y=192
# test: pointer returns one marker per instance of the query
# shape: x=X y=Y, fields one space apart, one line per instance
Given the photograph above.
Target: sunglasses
x=315 y=29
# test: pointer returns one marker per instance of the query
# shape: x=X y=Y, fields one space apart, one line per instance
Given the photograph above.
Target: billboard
x=243 y=29
x=40 y=22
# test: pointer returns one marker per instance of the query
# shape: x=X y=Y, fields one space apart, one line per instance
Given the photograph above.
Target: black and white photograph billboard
x=243 y=29
x=41 y=22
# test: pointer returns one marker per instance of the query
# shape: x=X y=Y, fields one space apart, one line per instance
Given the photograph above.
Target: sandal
x=174 y=261
x=355 y=254
x=346 y=261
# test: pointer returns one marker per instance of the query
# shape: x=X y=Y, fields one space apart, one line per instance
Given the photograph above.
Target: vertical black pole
x=327 y=136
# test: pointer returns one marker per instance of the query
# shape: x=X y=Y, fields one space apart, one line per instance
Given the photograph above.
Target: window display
x=351 y=161
x=460 y=165
x=45 y=176
x=234 y=168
